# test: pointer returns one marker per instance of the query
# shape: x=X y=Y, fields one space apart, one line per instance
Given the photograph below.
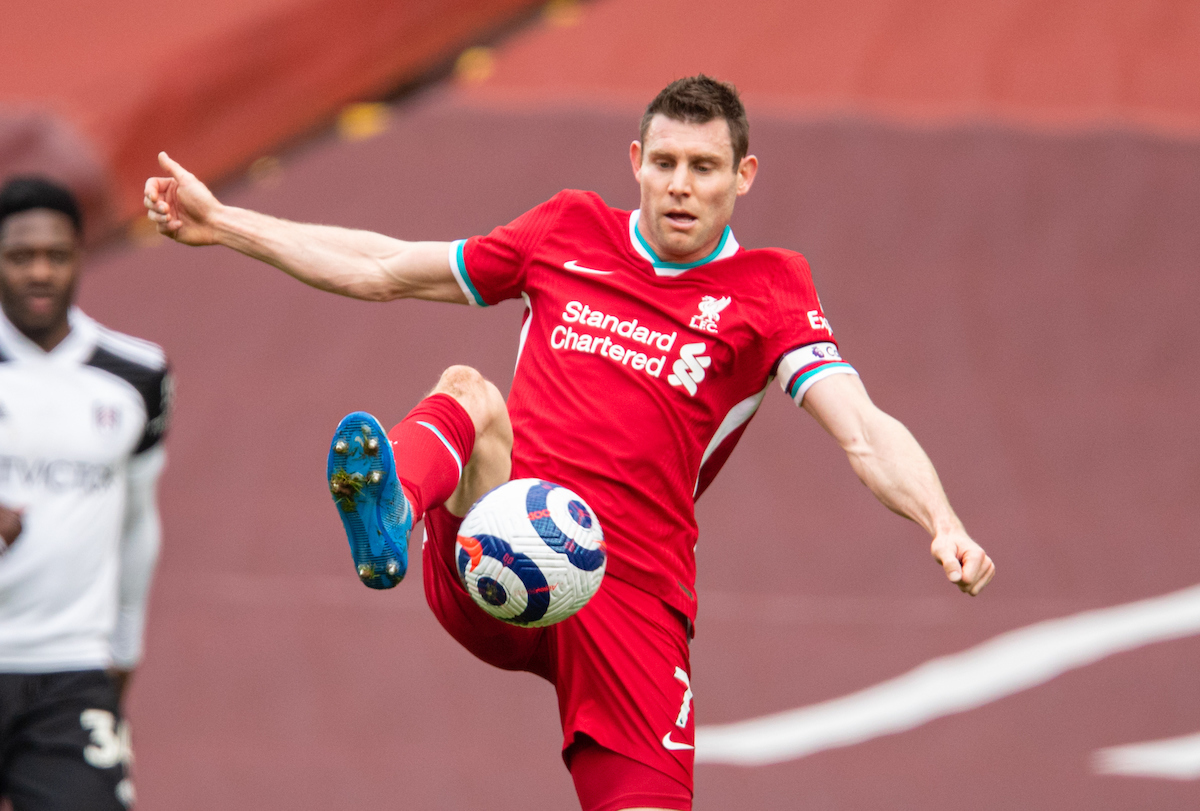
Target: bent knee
x=498 y=424
x=481 y=399
x=461 y=381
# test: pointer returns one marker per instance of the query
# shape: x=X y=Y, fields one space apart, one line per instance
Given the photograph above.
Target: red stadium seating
x=92 y=93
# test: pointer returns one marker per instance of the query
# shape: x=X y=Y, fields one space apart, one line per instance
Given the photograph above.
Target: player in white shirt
x=83 y=411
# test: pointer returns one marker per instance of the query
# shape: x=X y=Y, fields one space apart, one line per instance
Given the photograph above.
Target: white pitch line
x=1171 y=758
x=1006 y=664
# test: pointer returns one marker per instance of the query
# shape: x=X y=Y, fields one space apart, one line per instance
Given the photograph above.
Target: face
x=689 y=185
x=39 y=262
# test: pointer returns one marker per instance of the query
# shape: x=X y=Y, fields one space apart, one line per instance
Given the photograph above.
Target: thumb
x=177 y=171
x=950 y=565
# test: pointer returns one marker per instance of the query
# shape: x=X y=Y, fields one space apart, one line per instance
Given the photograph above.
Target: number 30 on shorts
x=110 y=741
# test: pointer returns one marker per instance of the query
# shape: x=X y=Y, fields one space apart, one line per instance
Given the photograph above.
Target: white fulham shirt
x=81 y=432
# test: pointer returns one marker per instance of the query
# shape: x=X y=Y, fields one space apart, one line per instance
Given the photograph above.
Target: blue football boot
x=361 y=471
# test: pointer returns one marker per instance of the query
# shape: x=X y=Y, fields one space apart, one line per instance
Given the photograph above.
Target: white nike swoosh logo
x=575 y=266
x=670 y=744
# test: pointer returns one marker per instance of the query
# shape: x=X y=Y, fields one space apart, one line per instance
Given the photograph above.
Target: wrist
x=947 y=525
x=224 y=222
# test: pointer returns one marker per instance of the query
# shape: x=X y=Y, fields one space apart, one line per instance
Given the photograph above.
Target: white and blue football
x=531 y=553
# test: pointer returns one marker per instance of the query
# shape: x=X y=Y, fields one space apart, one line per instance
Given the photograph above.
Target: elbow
x=379 y=295
x=381 y=284
x=855 y=443
x=373 y=284
x=855 y=434
x=860 y=437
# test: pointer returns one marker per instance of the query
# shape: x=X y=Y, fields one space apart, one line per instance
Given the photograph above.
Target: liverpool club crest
x=710 y=313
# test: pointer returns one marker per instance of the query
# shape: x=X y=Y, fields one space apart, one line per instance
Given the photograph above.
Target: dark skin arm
x=10 y=525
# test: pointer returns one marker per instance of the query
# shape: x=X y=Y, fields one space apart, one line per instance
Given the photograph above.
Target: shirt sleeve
x=807 y=350
x=493 y=268
x=157 y=392
x=140 y=539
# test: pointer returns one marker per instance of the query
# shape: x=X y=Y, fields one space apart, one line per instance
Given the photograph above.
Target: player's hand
x=180 y=205
x=964 y=561
x=10 y=527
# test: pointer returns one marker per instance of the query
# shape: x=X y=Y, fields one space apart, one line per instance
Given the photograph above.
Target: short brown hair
x=699 y=99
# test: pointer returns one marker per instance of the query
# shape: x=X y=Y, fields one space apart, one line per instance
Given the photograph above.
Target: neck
x=643 y=228
x=50 y=337
x=47 y=337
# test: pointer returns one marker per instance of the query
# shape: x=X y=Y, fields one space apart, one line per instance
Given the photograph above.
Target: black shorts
x=63 y=744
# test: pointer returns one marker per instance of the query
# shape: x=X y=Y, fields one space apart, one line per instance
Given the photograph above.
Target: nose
x=680 y=184
x=41 y=269
x=43 y=266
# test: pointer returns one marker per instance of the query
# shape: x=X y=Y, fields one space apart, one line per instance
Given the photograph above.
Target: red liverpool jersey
x=636 y=377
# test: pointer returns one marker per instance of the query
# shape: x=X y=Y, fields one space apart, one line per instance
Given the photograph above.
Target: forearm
x=349 y=262
x=890 y=462
x=883 y=453
x=140 y=541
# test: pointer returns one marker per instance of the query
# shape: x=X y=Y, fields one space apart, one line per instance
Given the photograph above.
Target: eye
x=59 y=256
x=19 y=256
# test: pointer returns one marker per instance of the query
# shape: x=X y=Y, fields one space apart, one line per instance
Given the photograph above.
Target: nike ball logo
x=578 y=268
x=670 y=744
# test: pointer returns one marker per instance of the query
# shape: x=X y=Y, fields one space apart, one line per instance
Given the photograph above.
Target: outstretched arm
x=359 y=264
x=889 y=461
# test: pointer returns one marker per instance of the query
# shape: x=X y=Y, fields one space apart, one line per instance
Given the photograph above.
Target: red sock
x=431 y=445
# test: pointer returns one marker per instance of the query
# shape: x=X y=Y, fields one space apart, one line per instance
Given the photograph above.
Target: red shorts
x=620 y=666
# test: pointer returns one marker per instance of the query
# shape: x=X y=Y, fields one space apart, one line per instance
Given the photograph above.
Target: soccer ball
x=530 y=553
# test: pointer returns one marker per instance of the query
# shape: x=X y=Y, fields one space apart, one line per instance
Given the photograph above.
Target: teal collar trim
x=728 y=246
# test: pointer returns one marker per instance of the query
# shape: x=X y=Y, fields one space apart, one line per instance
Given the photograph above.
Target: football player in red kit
x=649 y=339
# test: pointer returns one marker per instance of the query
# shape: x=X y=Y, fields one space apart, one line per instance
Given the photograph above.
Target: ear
x=635 y=158
x=746 y=172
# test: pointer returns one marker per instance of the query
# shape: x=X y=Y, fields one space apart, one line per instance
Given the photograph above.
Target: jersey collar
x=727 y=247
x=77 y=347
